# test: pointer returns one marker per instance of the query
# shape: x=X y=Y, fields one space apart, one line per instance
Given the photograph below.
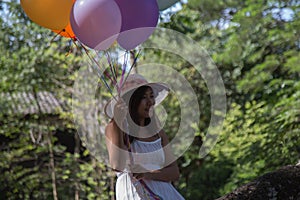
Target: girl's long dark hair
x=135 y=99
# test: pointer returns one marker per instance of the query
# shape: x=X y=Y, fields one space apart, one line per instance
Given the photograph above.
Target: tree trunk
x=112 y=185
x=52 y=166
x=76 y=151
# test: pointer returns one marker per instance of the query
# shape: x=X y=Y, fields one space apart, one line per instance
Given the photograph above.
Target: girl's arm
x=168 y=173
x=117 y=150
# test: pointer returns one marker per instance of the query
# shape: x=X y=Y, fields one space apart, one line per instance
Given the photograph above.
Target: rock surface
x=283 y=184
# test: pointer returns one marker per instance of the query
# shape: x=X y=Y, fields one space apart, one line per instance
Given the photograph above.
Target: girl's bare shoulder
x=110 y=127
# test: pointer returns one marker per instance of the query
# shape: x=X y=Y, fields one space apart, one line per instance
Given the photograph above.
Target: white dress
x=151 y=156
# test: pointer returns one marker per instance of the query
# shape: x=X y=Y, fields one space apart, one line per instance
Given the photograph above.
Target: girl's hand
x=139 y=176
x=138 y=171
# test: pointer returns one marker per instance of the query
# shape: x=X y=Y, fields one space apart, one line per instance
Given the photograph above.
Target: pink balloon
x=139 y=19
x=96 y=23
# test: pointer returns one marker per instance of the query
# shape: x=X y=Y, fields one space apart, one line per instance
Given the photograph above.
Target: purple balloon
x=139 y=19
x=96 y=23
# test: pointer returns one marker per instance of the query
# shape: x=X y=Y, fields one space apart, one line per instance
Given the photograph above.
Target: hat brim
x=160 y=90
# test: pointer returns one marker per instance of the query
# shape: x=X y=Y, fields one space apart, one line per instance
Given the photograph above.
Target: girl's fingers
x=138 y=176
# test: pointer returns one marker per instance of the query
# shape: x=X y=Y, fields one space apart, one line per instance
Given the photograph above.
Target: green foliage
x=256 y=47
x=261 y=142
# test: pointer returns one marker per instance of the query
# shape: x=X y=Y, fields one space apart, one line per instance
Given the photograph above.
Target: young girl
x=137 y=146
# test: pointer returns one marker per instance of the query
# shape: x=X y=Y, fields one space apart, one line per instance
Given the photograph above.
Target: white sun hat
x=134 y=81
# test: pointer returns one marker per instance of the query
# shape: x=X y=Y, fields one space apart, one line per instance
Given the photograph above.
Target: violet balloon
x=139 y=19
x=96 y=23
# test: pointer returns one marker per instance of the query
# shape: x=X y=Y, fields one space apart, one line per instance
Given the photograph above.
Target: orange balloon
x=52 y=14
x=66 y=32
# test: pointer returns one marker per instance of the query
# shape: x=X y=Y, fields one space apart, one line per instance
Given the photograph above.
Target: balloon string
x=135 y=58
x=115 y=71
x=57 y=34
x=95 y=68
x=112 y=68
x=70 y=48
x=123 y=70
x=112 y=80
x=131 y=67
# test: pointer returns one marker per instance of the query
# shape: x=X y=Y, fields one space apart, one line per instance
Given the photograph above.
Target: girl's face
x=145 y=108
